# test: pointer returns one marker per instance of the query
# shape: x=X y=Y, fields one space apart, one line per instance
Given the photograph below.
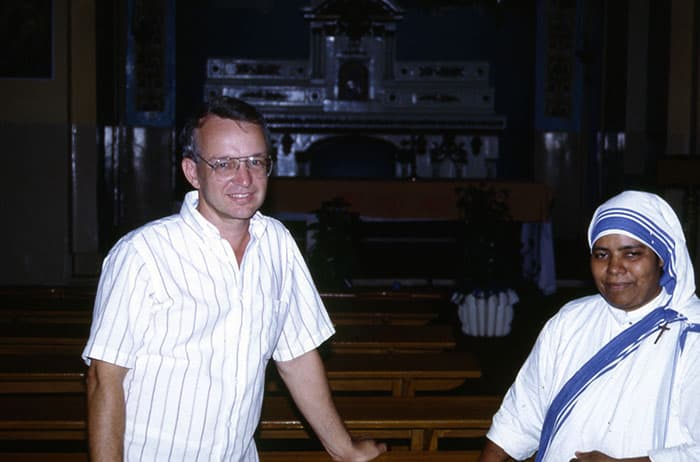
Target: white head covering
x=649 y=219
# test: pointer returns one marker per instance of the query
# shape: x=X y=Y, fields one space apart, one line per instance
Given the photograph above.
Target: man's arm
x=106 y=409
x=305 y=377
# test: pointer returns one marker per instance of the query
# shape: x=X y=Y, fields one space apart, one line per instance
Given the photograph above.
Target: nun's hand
x=597 y=456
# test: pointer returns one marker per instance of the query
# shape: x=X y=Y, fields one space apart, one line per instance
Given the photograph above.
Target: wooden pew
x=391 y=339
x=361 y=314
x=37 y=314
x=387 y=307
x=391 y=456
x=42 y=417
x=49 y=456
x=381 y=307
x=41 y=374
x=397 y=316
x=65 y=295
x=276 y=456
x=401 y=374
x=421 y=421
x=70 y=338
x=42 y=338
x=358 y=313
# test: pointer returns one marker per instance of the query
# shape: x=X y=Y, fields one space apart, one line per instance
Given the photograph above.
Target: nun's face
x=625 y=271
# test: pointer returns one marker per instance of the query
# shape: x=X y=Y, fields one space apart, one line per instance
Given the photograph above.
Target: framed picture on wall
x=26 y=45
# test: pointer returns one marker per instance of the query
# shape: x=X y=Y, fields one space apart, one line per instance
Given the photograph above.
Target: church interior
x=436 y=161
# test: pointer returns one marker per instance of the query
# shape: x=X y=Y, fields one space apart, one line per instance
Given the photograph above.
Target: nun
x=614 y=376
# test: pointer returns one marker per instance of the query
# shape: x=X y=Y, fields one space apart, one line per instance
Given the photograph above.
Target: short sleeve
x=121 y=294
x=517 y=425
x=307 y=324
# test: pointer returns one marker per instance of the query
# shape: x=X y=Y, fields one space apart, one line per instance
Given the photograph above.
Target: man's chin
x=242 y=214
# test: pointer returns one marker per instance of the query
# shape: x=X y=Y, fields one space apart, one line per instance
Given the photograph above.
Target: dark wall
x=35 y=180
x=236 y=29
x=504 y=36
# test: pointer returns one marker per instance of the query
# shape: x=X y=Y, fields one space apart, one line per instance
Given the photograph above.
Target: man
x=190 y=308
x=614 y=376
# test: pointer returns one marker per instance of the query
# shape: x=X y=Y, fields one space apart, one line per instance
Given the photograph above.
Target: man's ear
x=189 y=168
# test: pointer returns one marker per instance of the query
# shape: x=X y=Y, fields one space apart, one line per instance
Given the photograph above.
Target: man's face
x=234 y=199
x=625 y=271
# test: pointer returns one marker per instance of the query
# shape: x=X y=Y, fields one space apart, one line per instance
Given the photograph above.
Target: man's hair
x=226 y=107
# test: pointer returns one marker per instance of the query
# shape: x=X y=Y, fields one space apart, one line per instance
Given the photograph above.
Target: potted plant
x=333 y=237
x=490 y=265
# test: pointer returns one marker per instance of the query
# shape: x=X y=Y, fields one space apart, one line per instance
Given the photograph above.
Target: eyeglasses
x=226 y=167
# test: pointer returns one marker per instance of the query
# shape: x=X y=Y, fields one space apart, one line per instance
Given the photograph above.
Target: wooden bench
x=392 y=339
x=42 y=338
x=401 y=374
x=46 y=294
x=274 y=456
x=37 y=314
x=387 y=307
x=421 y=421
x=359 y=313
x=41 y=374
x=413 y=308
x=48 y=456
x=42 y=417
x=70 y=338
x=391 y=456
x=397 y=316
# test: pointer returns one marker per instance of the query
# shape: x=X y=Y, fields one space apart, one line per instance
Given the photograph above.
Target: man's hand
x=363 y=451
x=591 y=456
x=597 y=456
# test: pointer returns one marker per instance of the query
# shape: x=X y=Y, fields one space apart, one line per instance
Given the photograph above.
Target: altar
x=353 y=109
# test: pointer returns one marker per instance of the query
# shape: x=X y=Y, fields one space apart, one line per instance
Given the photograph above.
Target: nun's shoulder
x=580 y=310
x=573 y=307
x=692 y=310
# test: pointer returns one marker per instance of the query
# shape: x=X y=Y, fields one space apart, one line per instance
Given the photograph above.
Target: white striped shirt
x=196 y=331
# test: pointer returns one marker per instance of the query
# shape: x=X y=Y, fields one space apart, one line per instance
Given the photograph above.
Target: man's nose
x=242 y=175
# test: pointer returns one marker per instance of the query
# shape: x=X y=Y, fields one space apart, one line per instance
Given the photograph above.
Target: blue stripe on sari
x=606 y=359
